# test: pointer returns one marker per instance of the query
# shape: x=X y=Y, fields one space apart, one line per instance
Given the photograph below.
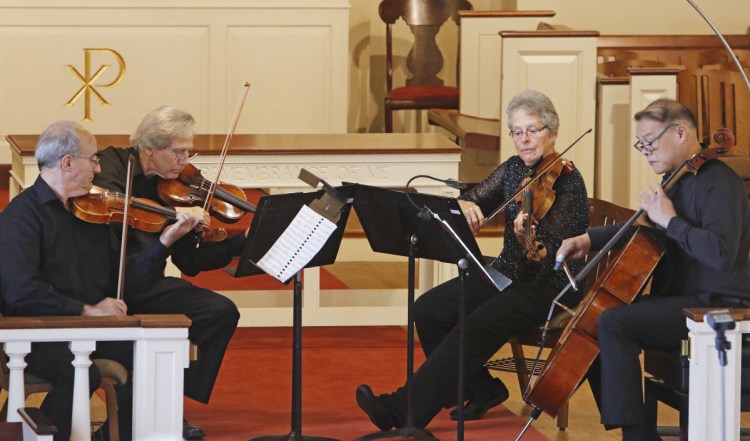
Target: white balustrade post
x=81 y=423
x=158 y=382
x=705 y=406
x=16 y=351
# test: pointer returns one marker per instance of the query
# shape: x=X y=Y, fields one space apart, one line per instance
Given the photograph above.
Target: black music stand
x=272 y=216
x=393 y=225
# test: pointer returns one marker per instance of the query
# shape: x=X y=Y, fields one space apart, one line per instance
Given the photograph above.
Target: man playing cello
x=703 y=222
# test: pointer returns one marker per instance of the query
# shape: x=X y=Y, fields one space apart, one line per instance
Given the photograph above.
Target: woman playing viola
x=492 y=318
x=162 y=144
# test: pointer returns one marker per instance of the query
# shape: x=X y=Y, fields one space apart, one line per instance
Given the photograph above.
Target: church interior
x=328 y=90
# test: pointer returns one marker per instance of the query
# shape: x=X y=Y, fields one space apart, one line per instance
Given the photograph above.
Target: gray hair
x=535 y=103
x=667 y=111
x=59 y=139
x=162 y=126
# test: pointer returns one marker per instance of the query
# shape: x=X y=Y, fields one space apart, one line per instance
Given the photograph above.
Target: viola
x=104 y=207
x=620 y=283
x=190 y=188
x=537 y=198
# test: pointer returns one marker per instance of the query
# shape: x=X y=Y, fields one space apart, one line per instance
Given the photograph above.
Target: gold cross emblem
x=88 y=80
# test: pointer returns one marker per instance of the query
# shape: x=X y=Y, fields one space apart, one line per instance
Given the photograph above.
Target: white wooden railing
x=160 y=354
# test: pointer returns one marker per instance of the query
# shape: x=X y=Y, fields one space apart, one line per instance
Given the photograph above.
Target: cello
x=620 y=283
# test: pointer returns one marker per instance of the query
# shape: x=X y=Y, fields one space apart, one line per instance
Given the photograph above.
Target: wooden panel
x=480 y=56
x=565 y=70
x=194 y=54
x=644 y=89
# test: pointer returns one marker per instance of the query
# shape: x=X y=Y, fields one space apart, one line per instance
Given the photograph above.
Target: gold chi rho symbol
x=88 y=79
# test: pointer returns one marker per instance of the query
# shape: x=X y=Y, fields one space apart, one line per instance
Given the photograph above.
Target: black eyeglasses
x=648 y=147
x=95 y=160
x=531 y=132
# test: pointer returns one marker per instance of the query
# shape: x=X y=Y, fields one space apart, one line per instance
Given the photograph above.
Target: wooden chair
x=112 y=374
x=423 y=90
x=601 y=213
x=717 y=98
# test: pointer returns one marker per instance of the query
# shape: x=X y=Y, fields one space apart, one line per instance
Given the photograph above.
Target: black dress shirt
x=707 y=243
x=53 y=263
x=189 y=259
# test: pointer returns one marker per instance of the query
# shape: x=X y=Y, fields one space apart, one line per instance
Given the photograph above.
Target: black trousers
x=214 y=319
x=649 y=323
x=491 y=319
x=52 y=362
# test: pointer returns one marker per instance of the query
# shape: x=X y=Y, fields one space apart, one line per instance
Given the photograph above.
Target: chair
x=423 y=90
x=600 y=213
x=112 y=374
x=717 y=98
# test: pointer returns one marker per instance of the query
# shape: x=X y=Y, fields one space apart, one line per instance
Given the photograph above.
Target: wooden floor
x=584 y=416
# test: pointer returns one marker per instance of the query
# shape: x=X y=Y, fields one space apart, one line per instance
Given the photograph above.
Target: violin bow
x=539 y=174
x=723 y=41
x=125 y=214
x=225 y=148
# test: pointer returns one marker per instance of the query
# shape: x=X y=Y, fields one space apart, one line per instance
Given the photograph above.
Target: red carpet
x=253 y=394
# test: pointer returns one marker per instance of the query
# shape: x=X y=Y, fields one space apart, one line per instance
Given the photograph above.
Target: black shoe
x=191 y=432
x=475 y=408
x=375 y=408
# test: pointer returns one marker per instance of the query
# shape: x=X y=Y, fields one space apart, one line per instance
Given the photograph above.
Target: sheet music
x=299 y=243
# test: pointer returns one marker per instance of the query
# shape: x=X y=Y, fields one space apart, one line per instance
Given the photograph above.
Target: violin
x=191 y=188
x=536 y=198
x=623 y=279
x=104 y=207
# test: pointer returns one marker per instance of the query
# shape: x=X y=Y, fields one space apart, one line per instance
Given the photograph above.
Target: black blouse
x=568 y=217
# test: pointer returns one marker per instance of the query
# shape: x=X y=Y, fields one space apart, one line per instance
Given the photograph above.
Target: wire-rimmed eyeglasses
x=648 y=147
x=531 y=132
x=182 y=154
x=95 y=160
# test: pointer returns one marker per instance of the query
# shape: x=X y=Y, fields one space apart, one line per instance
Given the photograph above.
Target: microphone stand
x=720 y=321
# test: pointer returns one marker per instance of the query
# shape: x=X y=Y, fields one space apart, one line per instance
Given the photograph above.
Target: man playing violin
x=492 y=318
x=161 y=145
x=55 y=264
x=703 y=222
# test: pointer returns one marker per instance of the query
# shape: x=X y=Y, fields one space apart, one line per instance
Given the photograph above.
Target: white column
x=160 y=357
x=16 y=364
x=705 y=408
x=81 y=423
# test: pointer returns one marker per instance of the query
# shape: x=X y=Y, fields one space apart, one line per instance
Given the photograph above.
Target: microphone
x=425 y=214
x=720 y=321
x=454 y=183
